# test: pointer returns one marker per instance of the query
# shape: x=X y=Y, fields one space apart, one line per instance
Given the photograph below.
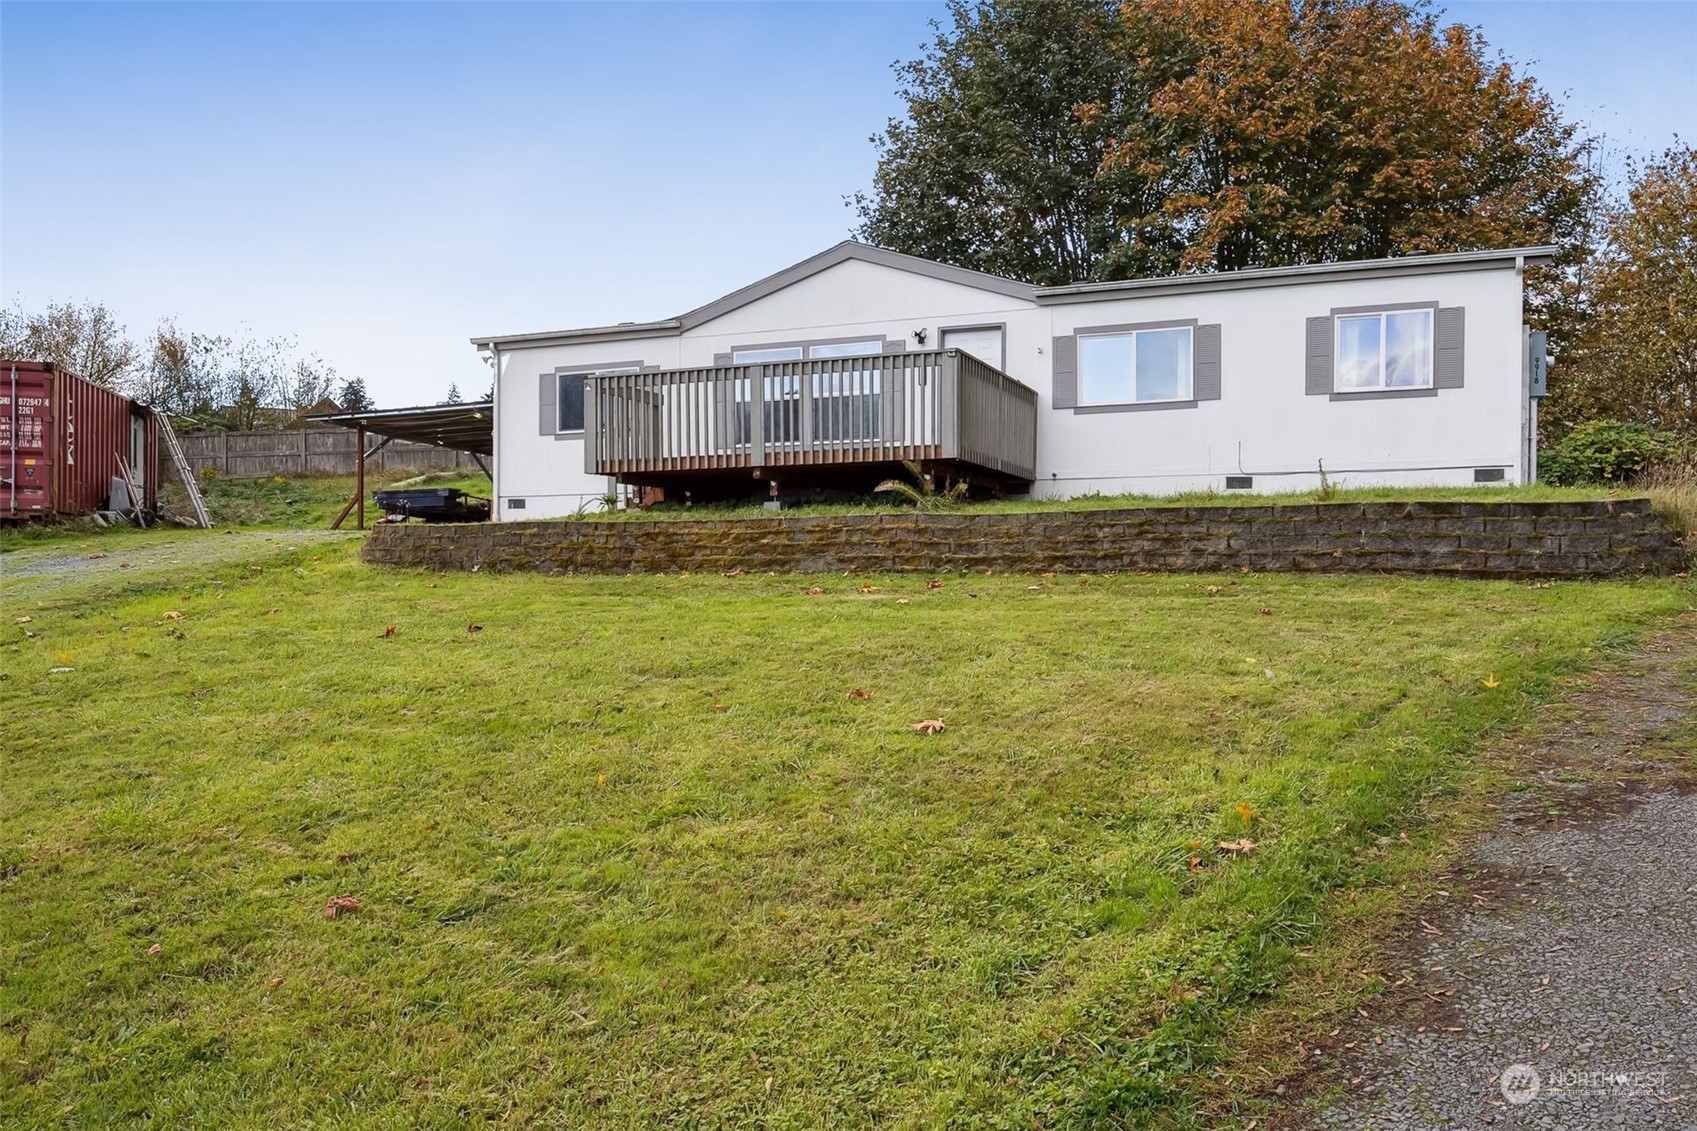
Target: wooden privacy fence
x=309 y=451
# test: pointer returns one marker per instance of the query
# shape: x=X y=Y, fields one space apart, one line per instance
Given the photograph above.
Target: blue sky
x=384 y=181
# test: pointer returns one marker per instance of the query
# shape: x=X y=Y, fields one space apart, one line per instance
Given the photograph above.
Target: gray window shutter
x=721 y=359
x=1447 y=334
x=1205 y=365
x=548 y=419
x=1319 y=369
x=895 y=345
x=1064 y=366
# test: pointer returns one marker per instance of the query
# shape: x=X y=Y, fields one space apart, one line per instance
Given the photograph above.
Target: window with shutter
x=1150 y=365
x=561 y=396
x=1395 y=350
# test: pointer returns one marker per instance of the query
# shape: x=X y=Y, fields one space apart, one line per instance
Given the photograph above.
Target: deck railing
x=930 y=405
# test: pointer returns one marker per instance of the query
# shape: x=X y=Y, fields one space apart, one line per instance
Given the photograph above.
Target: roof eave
x=669 y=327
x=1449 y=262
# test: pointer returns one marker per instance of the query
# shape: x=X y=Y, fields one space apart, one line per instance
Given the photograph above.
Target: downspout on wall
x=495 y=427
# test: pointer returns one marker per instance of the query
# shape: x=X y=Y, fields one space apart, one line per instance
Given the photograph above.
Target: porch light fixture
x=919 y=335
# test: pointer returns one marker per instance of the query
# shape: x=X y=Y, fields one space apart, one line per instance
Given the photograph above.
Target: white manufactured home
x=827 y=375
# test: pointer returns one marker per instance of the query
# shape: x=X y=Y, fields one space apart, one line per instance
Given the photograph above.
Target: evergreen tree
x=354 y=397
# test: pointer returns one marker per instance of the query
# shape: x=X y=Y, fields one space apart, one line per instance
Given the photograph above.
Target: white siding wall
x=1263 y=425
x=848 y=300
x=1266 y=426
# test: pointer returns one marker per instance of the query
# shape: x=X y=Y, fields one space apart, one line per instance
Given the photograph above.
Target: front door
x=985 y=344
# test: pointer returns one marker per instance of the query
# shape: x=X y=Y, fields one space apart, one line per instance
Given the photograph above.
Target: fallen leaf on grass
x=1246 y=813
x=388 y=632
x=97 y=554
x=275 y=982
x=868 y=587
x=474 y=628
x=1266 y=612
x=155 y=949
x=934 y=583
x=339 y=904
x=257 y=569
x=64 y=658
x=859 y=693
x=1034 y=587
x=173 y=614
x=928 y=726
x=1489 y=681
x=1212 y=589
x=720 y=706
x=268 y=612
x=22 y=620
x=1244 y=846
x=737 y=572
x=816 y=592
x=123 y=565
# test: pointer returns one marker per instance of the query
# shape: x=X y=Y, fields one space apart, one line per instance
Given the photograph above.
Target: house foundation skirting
x=1464 y=539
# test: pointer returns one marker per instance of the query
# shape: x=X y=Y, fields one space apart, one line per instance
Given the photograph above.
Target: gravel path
x=1564 y=995
x=56 y=567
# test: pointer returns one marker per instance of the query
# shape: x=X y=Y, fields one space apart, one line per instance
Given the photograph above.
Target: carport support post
x=359 y=481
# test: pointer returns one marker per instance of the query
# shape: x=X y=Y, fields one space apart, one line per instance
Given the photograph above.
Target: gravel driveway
x=58 y=567
x=1561 y=992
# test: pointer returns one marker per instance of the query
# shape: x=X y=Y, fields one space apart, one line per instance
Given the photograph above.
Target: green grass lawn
x=889 y=503
x=640 y=853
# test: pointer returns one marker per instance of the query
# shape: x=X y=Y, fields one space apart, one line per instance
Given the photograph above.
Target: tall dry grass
x=1672 y=487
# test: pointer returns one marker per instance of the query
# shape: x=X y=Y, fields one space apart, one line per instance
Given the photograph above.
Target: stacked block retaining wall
x=1469 y=539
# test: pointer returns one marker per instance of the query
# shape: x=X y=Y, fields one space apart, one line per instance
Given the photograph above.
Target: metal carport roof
x=463 y=427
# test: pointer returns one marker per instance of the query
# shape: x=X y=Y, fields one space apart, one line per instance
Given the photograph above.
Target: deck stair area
x=725 y=430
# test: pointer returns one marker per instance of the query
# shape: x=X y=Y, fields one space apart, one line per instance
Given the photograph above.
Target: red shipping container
x=60 y=441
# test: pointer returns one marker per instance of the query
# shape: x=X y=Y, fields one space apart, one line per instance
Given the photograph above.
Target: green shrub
x=1603 y=451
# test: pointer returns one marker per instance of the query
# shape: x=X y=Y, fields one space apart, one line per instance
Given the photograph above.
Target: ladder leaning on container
x=183 y=469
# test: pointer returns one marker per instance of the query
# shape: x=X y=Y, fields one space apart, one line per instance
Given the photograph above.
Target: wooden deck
x=844 y=413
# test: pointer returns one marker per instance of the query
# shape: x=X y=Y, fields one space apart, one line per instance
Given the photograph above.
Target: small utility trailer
x=431 y=504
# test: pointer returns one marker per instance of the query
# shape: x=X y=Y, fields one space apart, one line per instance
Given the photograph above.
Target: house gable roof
x=771 y=284
x=1516 y=257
